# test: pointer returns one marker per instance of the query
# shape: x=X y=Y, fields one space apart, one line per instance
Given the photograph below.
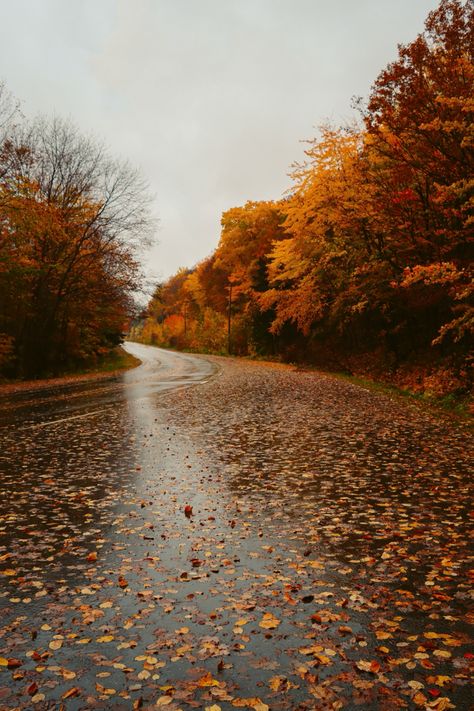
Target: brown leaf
x=13 y=663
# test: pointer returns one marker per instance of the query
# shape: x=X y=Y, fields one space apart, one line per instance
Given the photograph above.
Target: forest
x=72 y=223
x=365 y=264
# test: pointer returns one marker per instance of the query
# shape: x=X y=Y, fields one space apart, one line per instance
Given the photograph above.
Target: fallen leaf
x=367 y=666
x=37 y=698
x=70 y=693
x=269 y=621
x=207 y=680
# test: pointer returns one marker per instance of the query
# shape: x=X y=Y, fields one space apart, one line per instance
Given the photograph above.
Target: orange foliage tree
x=71 y=220
x=371 y=249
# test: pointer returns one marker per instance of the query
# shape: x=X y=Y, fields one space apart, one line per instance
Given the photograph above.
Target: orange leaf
x=70 y=693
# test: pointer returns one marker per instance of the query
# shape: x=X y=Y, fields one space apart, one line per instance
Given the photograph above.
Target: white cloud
x=209 y=98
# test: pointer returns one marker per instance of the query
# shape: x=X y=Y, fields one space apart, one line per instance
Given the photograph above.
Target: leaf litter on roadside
x=307 y=549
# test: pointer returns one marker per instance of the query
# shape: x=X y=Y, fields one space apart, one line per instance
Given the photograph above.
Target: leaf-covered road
x=265 y=539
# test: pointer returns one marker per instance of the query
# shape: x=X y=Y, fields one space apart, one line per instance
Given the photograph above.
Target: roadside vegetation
x=114 y=362
x=72 y=223
x=365 y=265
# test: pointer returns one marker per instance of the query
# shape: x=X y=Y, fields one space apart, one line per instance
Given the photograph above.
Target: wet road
x=160 y=371
x=324 y=563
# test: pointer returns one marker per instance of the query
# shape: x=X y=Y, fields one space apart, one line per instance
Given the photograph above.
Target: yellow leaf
x=269 y=621
x=322 y=659
x=439 y=680
x=253 y=702
x=441 y=704
x=420 y=699
x=37 y=698
x=314 y=649
x=275 y=682
x=372 y=667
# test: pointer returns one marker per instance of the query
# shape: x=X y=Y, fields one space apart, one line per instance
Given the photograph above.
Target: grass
x=116 y=359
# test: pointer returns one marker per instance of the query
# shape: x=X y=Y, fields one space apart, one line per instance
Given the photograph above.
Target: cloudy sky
x=210 y=99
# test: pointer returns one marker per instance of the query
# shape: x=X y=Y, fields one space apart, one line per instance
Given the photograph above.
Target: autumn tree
x=368 y=258
x=379 y=226
x=247 y=234
x=419 y=121
x=72 y=222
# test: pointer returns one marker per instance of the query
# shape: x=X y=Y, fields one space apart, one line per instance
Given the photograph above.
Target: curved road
x=267 y=539
x=159 y=371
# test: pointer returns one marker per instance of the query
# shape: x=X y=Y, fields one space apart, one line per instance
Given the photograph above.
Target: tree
x=73 y=220
x=420 y=123
x=370 y=253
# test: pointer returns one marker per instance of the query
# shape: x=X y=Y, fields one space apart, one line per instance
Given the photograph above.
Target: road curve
x=160 y=370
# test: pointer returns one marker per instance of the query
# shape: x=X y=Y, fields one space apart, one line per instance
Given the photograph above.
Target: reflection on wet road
x=324 y=564
x=160 y=371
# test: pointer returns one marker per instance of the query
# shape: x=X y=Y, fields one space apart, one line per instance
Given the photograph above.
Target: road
x=213 y=533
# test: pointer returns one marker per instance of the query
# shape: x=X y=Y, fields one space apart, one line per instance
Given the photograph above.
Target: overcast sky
x=210 y=99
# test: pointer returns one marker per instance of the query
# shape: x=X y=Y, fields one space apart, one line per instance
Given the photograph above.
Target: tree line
x=366 y=263
x=72 y=222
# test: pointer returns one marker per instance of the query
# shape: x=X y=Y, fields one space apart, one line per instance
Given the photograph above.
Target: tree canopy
x=371 y=249
x=72 y=220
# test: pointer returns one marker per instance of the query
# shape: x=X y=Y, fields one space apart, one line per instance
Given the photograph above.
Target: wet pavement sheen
x=324 y=564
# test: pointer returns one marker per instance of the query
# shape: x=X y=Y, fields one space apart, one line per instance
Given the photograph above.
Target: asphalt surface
x=214 y=533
